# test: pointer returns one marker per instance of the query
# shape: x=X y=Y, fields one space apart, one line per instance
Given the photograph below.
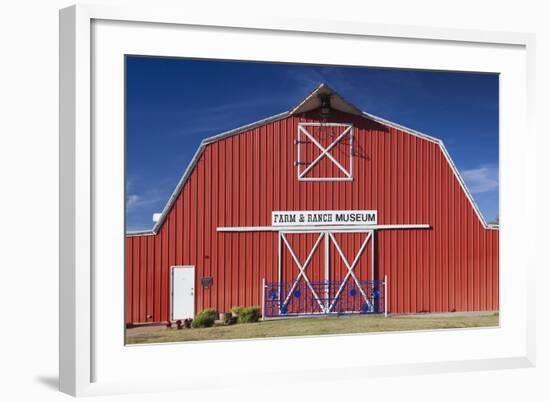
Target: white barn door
x=183 y=292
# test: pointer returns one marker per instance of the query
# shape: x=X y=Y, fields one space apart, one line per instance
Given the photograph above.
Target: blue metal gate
x=324 y=298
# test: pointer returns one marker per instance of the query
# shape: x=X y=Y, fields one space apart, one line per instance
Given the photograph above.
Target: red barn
x=322 y=209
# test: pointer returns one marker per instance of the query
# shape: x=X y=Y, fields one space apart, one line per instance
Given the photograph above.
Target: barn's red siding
x=238 y=180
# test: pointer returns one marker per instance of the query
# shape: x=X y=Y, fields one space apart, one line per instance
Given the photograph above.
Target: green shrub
x=250 y=315
x=236 y=310
x=246 y=315
x=204 y=319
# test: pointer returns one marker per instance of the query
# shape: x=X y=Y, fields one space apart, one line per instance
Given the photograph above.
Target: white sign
x=324 y=217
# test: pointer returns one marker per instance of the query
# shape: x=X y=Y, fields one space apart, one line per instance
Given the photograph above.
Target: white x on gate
x=302 y=269
x=350 y=270
x=325 y=151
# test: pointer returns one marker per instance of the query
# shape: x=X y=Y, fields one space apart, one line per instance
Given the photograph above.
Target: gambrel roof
x=309 y=103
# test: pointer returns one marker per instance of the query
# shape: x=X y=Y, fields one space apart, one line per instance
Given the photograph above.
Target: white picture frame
x=91 y=345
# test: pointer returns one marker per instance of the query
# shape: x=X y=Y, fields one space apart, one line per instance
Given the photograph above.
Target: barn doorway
x=182 y=292
x=325 y=272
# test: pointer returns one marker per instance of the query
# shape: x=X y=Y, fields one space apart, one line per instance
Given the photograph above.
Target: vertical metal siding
x=239 y=180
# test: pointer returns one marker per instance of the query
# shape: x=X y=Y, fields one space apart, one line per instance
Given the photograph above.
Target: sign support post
x=263 y=298
x=385 y=295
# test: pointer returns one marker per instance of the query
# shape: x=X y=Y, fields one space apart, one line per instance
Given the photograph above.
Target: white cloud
x=481 y=179
x=135 y=201
x=132 y=200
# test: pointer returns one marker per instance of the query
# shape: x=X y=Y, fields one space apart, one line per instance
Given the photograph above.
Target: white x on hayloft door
x=338 y=135
x=183 y=292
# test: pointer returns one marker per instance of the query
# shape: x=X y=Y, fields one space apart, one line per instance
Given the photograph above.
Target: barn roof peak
x=319 y=96
x=311 y=102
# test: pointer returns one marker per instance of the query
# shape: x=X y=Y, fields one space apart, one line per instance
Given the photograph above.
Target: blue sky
x=172 y=104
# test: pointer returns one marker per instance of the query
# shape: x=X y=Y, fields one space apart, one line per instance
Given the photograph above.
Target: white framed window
x=325 y=152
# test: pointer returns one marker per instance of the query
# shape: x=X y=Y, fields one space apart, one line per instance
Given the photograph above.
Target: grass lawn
x=313 y=326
